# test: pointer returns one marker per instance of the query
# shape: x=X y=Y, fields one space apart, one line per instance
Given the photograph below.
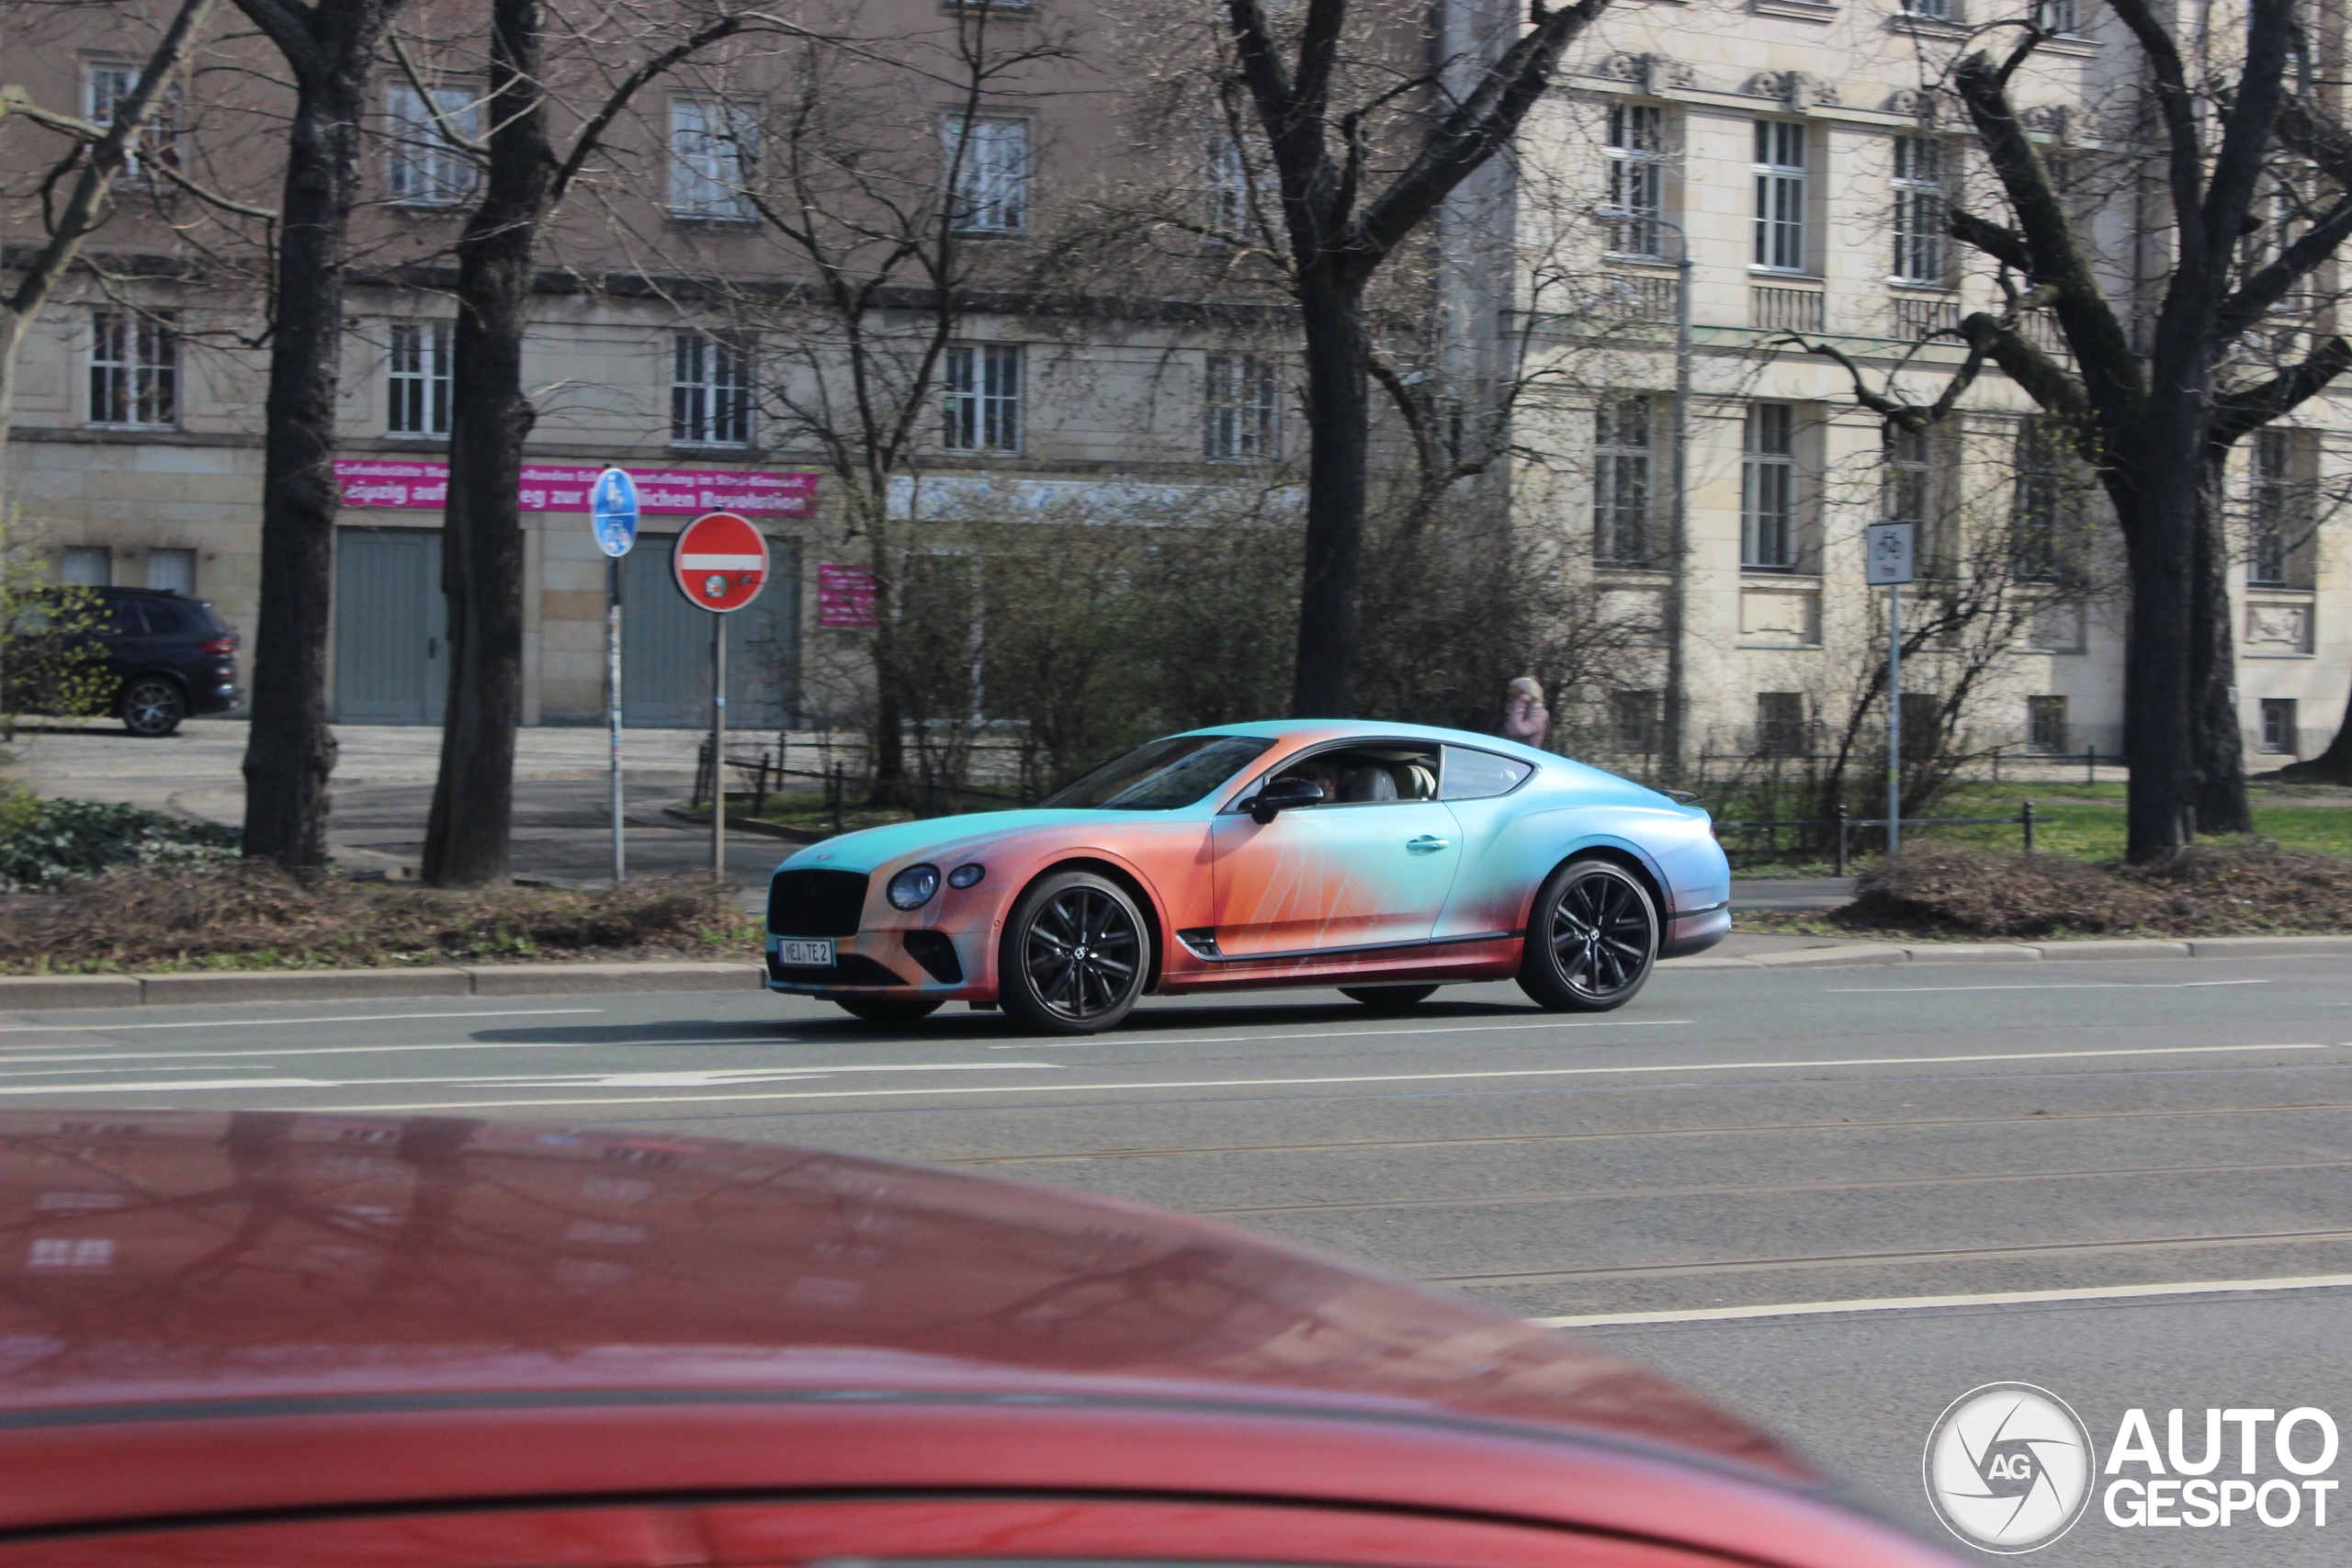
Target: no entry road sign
x=721 y=562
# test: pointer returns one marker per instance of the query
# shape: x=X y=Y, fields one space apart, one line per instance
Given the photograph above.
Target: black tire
x=1592 y=939
x=1076 y=954
x=1389 y=999
x=885 y=1010
x=152 y=706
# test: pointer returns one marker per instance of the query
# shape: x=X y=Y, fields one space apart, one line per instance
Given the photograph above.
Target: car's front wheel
x=153 y=705
x=1592 y=939
x=885 y=1010
x=1075 y=955
x=1389 y=999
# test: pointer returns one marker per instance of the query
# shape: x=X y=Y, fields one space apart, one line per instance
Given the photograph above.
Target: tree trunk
x=466 y=840
x=289 y=750
x=2331 y=766
x=1339 y=414
x=2218 y=744
x=2155 y=503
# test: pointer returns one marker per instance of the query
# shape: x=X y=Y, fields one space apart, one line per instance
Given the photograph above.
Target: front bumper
x=915 y=963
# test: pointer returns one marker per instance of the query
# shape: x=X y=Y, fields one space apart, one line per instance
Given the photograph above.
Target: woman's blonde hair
x=1525 y=685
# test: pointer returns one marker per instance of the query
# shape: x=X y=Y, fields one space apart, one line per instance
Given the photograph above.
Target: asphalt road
x=1733 y=1141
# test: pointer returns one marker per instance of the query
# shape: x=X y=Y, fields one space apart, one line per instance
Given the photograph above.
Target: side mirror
x=1280 y=795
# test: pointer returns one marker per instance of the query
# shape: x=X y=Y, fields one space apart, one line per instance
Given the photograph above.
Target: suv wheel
x=152 y=706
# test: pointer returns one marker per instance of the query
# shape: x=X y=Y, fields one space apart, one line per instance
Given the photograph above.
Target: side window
x=1474 y=775
x=1369 y=775
x=162 y=620
x=123 y=618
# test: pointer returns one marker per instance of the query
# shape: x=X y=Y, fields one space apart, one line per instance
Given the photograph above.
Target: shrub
x=45 y=841
x=2208 y=889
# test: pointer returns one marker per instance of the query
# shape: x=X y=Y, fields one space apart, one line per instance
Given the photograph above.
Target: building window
x=173 y=571
x=1931 y=10
x=2044 y=519
x=1636 y=723
x=2276 y=523
x=1227 y=186
x=2059 y=626
x=422 y=167
x=989 y=164
x=86 y=566
x=710 y=144
x=105 y=86
x=710 y=392
x=1919 y=209
x=135 y=370
x=983 y=402
x=1780 y=194
x=1244 y=409
x=2063 y=17
x=1621 y=480
x=1768 y=532
x=417 y=379
x=1780 y=724
x=2279 y=724
x=1636 y=154
x=2046 y=724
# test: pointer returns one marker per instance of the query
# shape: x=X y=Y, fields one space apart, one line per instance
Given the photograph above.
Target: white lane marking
x=1916 y=1303
x=2054 y=986
x=197 y=1053
x=1352 y=1078
x=279 y=1022
x=710 y=1077
x=174 y=1086
x=1407 y=1034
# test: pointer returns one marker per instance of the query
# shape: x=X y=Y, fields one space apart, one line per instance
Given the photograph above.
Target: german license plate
x=813 y=951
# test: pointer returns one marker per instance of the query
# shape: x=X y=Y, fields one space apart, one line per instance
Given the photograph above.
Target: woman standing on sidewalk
x=1525 y=719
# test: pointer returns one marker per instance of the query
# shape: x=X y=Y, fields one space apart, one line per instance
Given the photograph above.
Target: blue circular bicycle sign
x=613 y=512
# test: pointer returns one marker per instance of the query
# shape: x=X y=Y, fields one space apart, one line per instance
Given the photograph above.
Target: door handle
x=1427 y=844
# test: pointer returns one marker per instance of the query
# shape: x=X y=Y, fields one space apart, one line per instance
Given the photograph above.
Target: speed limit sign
x=721 y=562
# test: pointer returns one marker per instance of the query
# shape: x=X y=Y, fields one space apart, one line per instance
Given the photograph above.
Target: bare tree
x=2157 y=422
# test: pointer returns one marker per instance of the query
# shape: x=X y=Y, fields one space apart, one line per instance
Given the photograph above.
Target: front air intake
x=816 y=903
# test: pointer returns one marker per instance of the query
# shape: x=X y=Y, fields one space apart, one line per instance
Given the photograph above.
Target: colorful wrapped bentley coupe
x=1384 y=859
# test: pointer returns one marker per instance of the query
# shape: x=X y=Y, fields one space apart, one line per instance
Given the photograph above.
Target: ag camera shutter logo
x=2008 y=1468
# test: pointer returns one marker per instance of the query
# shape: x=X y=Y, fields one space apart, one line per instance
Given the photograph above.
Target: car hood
x=870 y=849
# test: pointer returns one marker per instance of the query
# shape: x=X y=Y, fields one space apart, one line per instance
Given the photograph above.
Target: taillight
x=218 y=644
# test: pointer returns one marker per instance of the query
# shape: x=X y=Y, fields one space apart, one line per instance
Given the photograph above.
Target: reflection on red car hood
x=207 y=1256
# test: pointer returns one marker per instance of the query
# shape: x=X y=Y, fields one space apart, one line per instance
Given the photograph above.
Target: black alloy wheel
x=1389 y=999
x=153 y=705
x=1075 y=955
x=1592 y=940
x=885 y=1010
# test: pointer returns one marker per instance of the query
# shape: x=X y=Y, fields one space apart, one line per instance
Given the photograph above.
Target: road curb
x=40 y=993
x=1848 y=953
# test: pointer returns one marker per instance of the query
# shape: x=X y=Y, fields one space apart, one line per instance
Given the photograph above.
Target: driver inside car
x=1318 y=772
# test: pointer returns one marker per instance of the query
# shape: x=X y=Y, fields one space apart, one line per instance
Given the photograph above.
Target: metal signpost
x=612 y=513
x=1888 y=557
x=720 y=566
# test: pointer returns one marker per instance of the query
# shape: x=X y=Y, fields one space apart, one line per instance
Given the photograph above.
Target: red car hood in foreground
x=203 y=1313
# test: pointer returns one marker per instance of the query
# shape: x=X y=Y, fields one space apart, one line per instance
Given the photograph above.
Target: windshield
x=1160 y=776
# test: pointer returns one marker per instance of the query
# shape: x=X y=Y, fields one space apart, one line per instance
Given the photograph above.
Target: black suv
x=169 y=657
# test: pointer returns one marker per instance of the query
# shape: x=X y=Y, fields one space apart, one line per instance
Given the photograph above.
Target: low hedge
x=2221 y=889
x=45 y=841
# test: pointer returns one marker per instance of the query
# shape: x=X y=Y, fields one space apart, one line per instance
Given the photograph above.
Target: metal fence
x=764 y=773
x=1843 y=824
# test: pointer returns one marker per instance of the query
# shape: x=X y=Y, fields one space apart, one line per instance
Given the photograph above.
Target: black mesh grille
x=816 y=903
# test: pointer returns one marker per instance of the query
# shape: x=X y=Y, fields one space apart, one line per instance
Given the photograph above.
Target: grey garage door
x=665 y=645
x=392 y=636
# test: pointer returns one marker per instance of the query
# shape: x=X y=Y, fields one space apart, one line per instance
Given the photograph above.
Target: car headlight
x=969 y=875
x=912 y=887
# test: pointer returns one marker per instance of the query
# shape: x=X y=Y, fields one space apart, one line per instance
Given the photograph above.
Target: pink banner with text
x=422 y=485
x=845 y=595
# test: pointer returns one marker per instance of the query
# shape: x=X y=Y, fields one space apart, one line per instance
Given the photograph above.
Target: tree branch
x=585 y=144
x=431 y=102
x=2185 y=155
x=2245 y=132
x=293 y=28
x=2237 y=413
x=2002 y=245
x=2269 y=283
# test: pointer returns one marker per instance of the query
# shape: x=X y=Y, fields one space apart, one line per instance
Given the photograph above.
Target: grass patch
x=243 y=915
x=804 y=814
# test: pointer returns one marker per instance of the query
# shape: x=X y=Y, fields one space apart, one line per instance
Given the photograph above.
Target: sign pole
x=1894 y=718
x=613 y=709
x=719 y=746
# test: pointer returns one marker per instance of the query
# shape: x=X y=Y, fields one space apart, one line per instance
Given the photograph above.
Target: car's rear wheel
x=153 y=705
x=885 y=1010
x=1075 y=955
x=1389 y=999
x=1592 y=939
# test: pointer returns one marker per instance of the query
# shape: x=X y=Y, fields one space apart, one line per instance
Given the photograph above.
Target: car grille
x=816 y=903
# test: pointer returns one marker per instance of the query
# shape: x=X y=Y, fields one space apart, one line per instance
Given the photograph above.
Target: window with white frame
x=1635 y=153
x=1227 y=187
x=134 y=368
x=2063 y=17
x=710 y=392
x=1930 y=10
x=983 y=402
x=1919 y=210
x=2279 y=735
x=86 y=566
x=2275 y=524
x=2046 y=515
x=1780 y=194
x=710 y=147
x=422 y=166
x=1243 y=407
x=416 y=380
x=173 y=570
x=105 y=86
x=1620 y=480
x=1768 y=529
x=988 y=174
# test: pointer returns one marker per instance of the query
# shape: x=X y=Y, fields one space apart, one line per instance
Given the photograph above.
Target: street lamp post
x=1676 y=705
